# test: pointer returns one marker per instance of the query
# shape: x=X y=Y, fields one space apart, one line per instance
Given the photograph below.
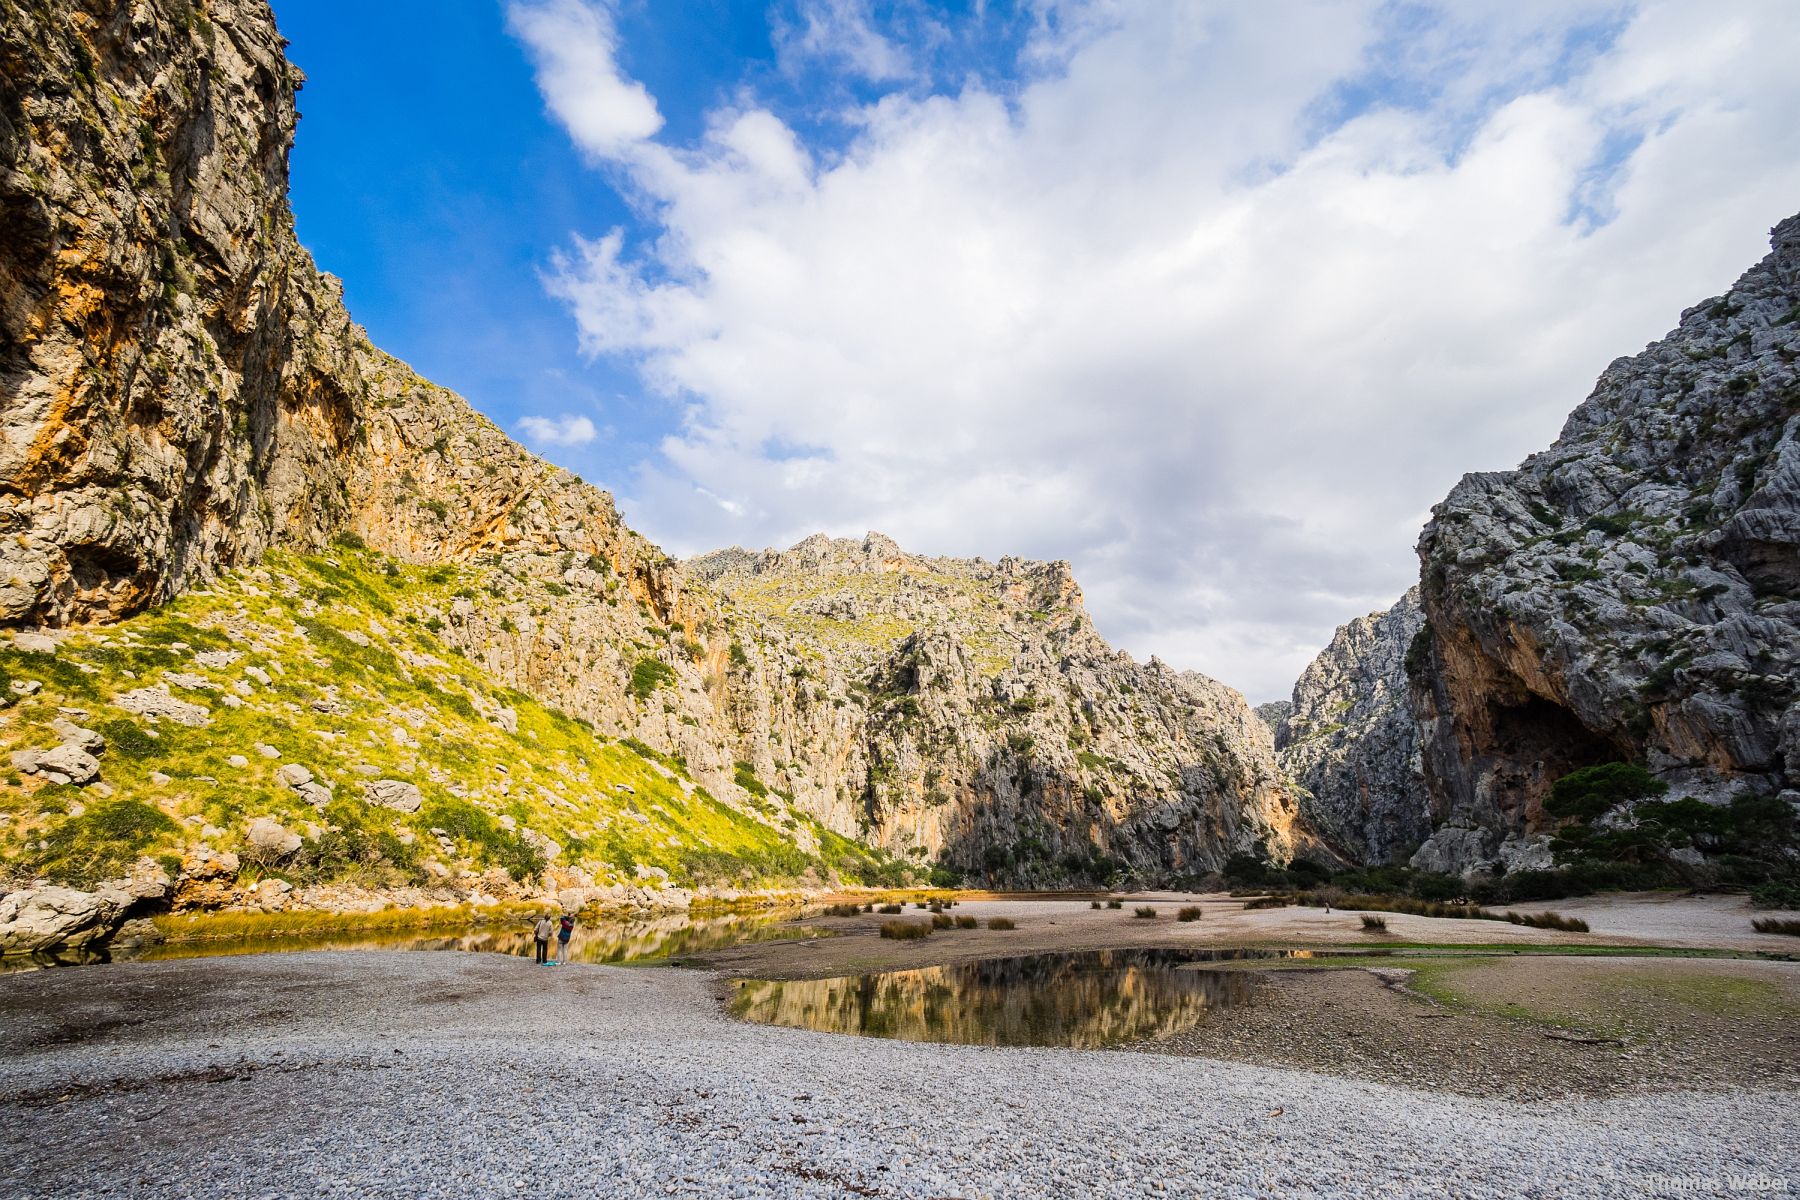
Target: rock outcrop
x=1631 y=593
x=1349 y=739
x=967 y=711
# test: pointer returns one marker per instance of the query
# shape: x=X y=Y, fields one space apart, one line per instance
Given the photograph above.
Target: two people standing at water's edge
x=564 y=929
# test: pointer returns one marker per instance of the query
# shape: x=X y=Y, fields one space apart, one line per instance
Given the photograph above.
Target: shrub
x=127 y=740
x=941 y=921
x=1189 y=912
x=868 y=908
x=1374 y=924
x=1145 y=912
x=1257 y=902
x=1001 y=923
x=919 y=904
x=1776 y=925
x=892 y=909
x=649 y=674
x=1115 y=904
x=1591 y=791
x=1093 y=904
x=493 y=845
x=904 y=931
x=841 y=910
x=963 y=922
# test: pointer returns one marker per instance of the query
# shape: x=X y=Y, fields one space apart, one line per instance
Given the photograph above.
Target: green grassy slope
x=323 y=659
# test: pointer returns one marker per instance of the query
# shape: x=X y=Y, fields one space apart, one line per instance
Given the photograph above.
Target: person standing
x=564 y=931
x=540 y=933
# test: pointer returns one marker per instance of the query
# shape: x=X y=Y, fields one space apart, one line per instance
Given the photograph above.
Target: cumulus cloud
x=1215 y=304
x=575 y=47
x=565 y=430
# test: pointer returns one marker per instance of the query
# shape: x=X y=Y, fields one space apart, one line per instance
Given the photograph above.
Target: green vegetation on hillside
x=328 y=662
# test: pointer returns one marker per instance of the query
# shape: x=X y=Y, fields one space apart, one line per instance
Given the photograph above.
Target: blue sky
x=1212 y=299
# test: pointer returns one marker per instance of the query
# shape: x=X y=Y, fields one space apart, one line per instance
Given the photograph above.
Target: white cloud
x=565 y=430
x=841 y=31
x=1190 y=309
x=575 y=49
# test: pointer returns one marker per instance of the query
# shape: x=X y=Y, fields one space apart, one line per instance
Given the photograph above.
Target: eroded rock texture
x=1629 y=593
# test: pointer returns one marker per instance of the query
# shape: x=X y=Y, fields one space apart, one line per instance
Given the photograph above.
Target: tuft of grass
x=1776 y=925
x=841 y=910
x=963 y=922
x=1372 y=924
x=1144 y=911
x=942 y=921
x=904 y=931
x=892 y=909
x=1115 y=904
x=1549 y=920
x=1189 y=912
x=1093 y=904
x=1002 y=923
x=919 y=904
x=1257 y=902
x=869 y=908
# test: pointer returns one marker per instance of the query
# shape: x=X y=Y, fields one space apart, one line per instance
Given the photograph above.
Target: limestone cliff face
x=968 y=710
x=1633 y=592
x=182 y=391
x=1349 y=739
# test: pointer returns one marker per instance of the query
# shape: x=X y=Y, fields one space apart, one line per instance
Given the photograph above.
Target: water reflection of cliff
x=668 y=936
x=1083 y=1000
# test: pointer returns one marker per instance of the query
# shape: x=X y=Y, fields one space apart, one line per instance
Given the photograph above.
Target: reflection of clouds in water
x=1083 y=1000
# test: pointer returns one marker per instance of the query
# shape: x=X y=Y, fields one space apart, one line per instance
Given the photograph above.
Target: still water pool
x=1084 y=1000
x=616 y=940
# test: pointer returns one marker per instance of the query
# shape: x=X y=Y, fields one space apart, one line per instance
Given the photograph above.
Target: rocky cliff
x=1631 y=593
x=1349 y=739
x=183 y=395
x=972 y=713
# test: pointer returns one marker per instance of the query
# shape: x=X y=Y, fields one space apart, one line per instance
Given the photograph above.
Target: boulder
x=47 y=918
x=271 y=837
x=34 y=643
x=74 y=735
x=71 y=763
x=397 y=794
x=293 y=775
x=157 y=703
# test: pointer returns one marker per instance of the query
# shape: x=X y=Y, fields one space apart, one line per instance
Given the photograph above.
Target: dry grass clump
x=1374 y=924
x=1115 y=904
x=904 y=931
x=1093 y=904
x=841 y=910
x=1776 y=925
x=1145 y=911
x=963 y=922
x=869 y=908
x=1190 y=912
x=1549 y=920
x=891 y=909
x=937 y=906
x=941 y=920
x=919 y=904
x=1265 y=902
x=1001 y=923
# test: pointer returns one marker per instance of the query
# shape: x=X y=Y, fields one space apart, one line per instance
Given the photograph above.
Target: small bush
x=1115 y=904
x=1776 y=925
x=1145 y=912
x=941 y=921
x=648 y=675
x=125 y=739
x=869 y=908
x=842 y=910
x=1093 y=904
x=892 y=909
x=1374 y=924
x=1265 y=902
x=1001 y=923
x=963 y=922
x=904 y=931
x=1190 y=912
x=919 y=904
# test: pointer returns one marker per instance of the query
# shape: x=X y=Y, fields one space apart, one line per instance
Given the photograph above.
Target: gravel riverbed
x=444 y=1074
